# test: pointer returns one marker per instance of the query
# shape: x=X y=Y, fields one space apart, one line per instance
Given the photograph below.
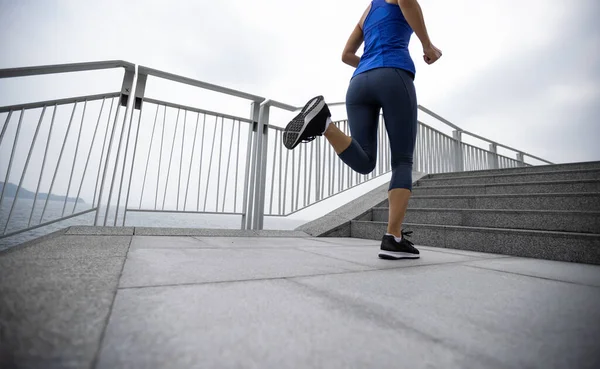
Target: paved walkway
x=194 y=300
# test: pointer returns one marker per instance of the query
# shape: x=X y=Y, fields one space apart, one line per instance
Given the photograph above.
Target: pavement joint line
x=333 y=243
x=372 y=269
x=96 y=358
x=334 y=258
x=429 y=248
x=532 y=276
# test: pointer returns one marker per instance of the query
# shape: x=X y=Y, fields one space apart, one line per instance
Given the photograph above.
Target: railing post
x=261 y=167
x=493 y=156
x=249 y=182
x=458 y=156
x=140 y=89
x=521 y=159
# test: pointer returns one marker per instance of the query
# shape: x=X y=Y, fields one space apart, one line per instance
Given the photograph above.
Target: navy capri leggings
x=393 y=91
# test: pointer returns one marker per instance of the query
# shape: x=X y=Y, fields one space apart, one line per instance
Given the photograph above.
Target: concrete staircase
x=550 y=212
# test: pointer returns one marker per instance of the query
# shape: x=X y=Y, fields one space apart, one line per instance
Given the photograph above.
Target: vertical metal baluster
x=228 y=161
x=12 y=155
x=285 y=177
x=304 y=172
x=444 y=153
x=112 y=101
x=16 y=197
x=5 y=126
x=471 y=166
x=340 y=175
x=449 y=147
x=87 y=161
x=331 y=172
x=187 y=186
x=162 y=138
x=201 y=156
x=430 y=152
x=318 y=165
x=135 y=146
x=237 y=165
x=418 y=149
x=181 y=160
x=57 y=164
x=106 y=161
x=37 y=189
x=212 y=149
x=299 y=175
x=324 y=169
x=434 y=152
x=438 y=152
x=426 y=149
x=273 y=173
x=292 y=209
x=467 y=162
x=310 y=163
x=331 y=179
x=346 y=129
x=330 y=164
x=148 y=156
x=74 y=158
x=219 y=163
x=170 y=159
x=483 y=160
x=280 y=170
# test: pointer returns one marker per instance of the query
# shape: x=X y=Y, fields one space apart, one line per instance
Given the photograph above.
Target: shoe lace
x=406 y=234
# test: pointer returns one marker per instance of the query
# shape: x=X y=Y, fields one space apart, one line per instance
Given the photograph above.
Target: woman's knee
x=367 y=167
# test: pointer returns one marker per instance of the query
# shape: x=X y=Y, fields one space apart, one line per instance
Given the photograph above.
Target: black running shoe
x=392 y=250
x=308 y=124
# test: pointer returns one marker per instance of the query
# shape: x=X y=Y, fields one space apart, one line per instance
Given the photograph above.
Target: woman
x=383 y=79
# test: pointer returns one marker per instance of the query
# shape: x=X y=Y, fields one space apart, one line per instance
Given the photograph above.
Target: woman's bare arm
x=354 y=41
x=414 y=16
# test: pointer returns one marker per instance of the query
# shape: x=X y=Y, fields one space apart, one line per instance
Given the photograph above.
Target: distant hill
x=11 y=191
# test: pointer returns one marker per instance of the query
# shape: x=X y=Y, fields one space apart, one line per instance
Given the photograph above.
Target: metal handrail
x=65 y=68
x=194 y=82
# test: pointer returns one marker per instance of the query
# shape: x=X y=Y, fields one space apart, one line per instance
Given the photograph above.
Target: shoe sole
x=294 y=130
x=391 y=255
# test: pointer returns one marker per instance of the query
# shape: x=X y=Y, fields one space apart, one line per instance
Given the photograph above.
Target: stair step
x=542 y=220
x=523 y=170
x=589 y=201
x=589 y=185
x=562 y=246
x=460 y=179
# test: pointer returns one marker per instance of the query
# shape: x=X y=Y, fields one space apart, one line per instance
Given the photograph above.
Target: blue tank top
x=386 y=34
